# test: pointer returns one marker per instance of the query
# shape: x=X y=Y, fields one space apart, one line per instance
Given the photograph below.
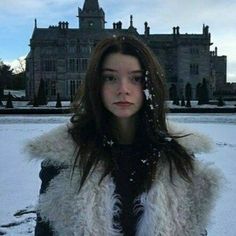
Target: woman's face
x=122 y=91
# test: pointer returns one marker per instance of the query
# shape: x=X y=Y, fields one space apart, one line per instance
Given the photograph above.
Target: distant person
x=118 y=168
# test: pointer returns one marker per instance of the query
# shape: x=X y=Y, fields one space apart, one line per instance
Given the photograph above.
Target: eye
x=137 y=79
x=109 y=78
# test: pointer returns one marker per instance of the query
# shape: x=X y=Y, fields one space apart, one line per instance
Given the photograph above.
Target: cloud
x=162 y=16
x=46 y=10
x=17 y=65
x=226 y=45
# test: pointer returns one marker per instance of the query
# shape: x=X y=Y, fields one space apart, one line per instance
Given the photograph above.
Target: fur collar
x=58 y=141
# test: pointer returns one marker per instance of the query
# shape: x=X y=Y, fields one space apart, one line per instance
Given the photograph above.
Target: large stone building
x=59 y=54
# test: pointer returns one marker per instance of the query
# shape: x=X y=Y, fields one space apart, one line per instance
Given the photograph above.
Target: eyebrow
x=112 y=70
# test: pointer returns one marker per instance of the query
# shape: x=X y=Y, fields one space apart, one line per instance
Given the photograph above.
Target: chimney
x=205 y=30
x=174 y=30
x=177 y=28
x=146 y=29
x=119 y=25
x=216 y=49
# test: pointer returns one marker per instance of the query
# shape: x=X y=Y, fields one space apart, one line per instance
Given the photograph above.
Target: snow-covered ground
x=66 y=104
x=19 y=180
x=15 y=93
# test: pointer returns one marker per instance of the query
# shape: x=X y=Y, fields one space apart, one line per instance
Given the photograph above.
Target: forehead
x=119 y=61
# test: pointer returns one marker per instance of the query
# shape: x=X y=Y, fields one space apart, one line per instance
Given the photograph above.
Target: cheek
x=106 y=95
x=140 y=96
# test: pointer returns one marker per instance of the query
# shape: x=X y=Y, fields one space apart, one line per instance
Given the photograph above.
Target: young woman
x=118 y=168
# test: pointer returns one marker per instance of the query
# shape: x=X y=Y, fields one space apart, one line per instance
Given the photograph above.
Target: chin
x=123 y=115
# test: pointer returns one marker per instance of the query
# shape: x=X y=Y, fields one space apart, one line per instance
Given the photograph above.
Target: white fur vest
x=179 y=209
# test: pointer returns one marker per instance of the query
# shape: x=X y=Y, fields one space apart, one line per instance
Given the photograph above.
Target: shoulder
x=192 y=140
x=207 y=181
x=189 y=204
x=55 y=146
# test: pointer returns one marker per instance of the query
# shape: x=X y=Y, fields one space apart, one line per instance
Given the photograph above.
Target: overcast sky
x=17 y=21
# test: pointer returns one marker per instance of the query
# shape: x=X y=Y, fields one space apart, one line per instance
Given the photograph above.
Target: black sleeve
x=47 y=173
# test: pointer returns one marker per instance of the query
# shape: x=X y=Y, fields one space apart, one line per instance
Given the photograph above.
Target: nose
x=123 y=86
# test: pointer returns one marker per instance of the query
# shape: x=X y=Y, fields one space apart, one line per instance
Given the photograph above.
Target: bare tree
x=20 y=68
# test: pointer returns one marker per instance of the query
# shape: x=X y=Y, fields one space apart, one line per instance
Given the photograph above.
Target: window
x=194 y=51
x=85 y=49
x=194 y=69
x=48 y=65
x=50 y=87
x=73 y=86
x=77 y=64
x=83 y=64
x=53 y=88
x=71 y=49
x=71 y=46
x=73 y=65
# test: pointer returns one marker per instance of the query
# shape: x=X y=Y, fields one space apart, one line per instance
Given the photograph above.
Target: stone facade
x=59 y=55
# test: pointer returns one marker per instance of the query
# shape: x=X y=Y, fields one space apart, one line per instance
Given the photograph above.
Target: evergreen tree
x=182 y=101
x=58 y=104
x=6 y=75
x=221 y=102
x=188 y=94
x=9 y=101
x=42 y=99
x=177 y=100
x=19 y=81
x=188 y=91
x=188 y=103
x=204 y=92
x=35 y=101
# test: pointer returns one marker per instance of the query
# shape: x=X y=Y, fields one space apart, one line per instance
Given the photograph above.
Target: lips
x=123 y=104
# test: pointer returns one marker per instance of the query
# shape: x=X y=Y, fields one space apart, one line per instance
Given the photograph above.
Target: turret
x=205 y=30
x=131 y=27
x=91 y=17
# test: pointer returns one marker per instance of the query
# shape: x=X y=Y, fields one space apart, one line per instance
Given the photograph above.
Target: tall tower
x=91 y=17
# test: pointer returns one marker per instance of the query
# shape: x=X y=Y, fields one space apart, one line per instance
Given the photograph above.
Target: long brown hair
x=90 y=121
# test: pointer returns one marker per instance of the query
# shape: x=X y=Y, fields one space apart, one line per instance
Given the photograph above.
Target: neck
x=124 y=130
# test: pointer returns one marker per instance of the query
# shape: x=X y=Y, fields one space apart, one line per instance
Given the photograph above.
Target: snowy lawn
x=19 y=180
